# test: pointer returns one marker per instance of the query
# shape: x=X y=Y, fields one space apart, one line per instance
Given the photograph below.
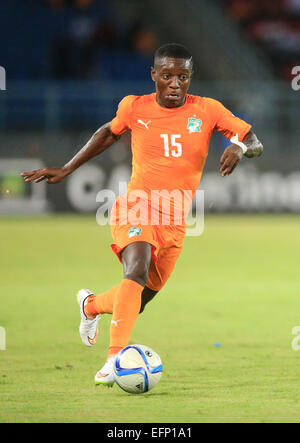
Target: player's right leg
x=105 y=377
x=136 y=259
x=107 y=374
x=156 y=275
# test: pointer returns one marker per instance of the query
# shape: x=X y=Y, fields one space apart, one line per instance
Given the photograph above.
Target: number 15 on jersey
x=174 y=144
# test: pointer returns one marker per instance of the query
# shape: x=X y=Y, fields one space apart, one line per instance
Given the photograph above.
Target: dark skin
x=172 y=79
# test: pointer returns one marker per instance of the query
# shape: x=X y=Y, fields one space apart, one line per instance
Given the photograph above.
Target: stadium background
x=223 y=324
x=68 y=64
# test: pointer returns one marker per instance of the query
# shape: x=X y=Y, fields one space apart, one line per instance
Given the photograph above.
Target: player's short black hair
x=173 y=50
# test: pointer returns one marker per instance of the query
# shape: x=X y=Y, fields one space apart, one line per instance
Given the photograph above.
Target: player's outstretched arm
x=234 y=153
x=102 y=139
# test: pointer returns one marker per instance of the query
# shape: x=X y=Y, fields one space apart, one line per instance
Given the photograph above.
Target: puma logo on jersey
x=145 y=124
x=115 y=322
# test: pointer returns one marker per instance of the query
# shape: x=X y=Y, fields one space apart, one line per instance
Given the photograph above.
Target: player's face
x=172 y=77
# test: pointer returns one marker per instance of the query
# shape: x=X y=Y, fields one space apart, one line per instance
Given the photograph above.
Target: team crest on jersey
x=194 y=125
x=134 y=231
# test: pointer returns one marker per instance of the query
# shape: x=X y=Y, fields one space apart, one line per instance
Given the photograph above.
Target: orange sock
x=101 y=304
x=127 y=304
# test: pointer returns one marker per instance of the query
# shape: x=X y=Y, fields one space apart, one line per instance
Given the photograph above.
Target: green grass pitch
x=237 y=285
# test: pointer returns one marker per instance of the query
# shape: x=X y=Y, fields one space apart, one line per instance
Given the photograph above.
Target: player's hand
x=51 y=175
x=230 y=159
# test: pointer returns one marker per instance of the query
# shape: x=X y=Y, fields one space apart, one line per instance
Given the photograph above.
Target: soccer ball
x=137 y=369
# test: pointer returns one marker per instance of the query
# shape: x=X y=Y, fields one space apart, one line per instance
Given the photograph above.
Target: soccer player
x=171 y=130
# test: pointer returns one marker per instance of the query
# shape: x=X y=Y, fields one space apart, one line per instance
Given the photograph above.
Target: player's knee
x=137 y=271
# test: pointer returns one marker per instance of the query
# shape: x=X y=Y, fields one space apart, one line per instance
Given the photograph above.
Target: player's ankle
x=113 y=351
x=88 y=308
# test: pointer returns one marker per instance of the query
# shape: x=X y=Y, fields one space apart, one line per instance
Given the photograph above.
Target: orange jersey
x=170 y=145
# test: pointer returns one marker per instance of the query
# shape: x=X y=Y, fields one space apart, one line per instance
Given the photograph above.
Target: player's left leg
x=103 y=303
x=147 y=295
x=88 y=328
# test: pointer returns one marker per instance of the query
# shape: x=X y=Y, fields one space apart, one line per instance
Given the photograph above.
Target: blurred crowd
x=274 y=25
x=97 y=44
x=89 y=39
x=72 y=39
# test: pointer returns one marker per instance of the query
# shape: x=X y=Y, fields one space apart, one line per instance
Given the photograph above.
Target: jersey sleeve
x=121 y=122
x=227 y=123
